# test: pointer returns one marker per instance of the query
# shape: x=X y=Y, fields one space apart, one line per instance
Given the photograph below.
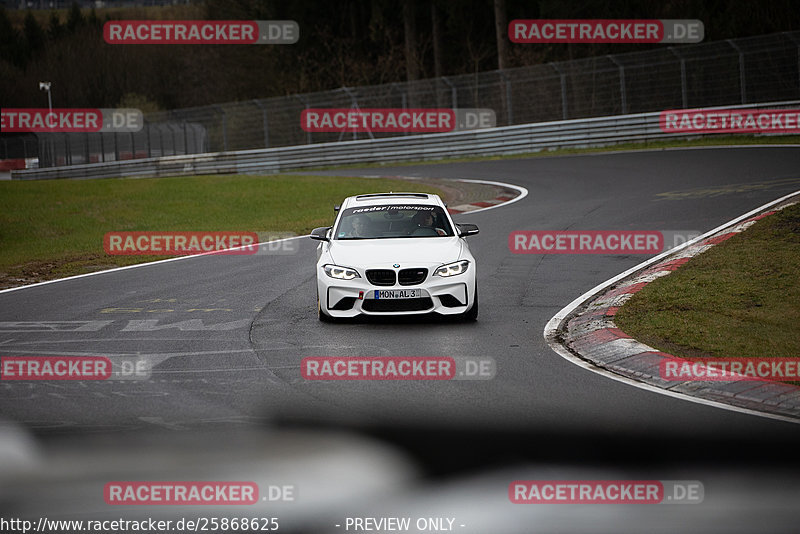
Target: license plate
x=398 y=293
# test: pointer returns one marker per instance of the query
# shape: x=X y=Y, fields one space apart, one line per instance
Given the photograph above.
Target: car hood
x=426 y=251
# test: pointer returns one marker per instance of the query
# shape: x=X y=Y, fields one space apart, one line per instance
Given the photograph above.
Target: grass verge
x=740 y=298
x=54 y=228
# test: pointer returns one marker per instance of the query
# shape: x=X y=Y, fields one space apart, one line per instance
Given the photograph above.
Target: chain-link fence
x=740 y=71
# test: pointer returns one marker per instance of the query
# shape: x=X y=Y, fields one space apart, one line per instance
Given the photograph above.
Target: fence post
x=684 y=92
x=67 y=150
x=623 y=96
x=453 y=94
x=264 y=122
x=404 y=99
x=305 y=103
x=742 y=78
x=148 y=141
x=353 y=105
x=563 y=77
x=509 y=106
x=797 y=44
x=224 y=129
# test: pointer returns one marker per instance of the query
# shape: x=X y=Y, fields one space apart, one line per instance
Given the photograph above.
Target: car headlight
x=340 y=273
x=452 y=269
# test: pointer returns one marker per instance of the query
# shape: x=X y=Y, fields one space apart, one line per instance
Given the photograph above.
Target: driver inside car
x=360 y=226
x=425 y=219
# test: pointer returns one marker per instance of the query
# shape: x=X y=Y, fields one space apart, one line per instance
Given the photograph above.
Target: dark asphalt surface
x=226 y=333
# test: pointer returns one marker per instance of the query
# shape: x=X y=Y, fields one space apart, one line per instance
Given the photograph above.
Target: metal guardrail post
x=623 y=95
x=185 y=139
x=264 y=122
x=563 y=76
x=742 y=78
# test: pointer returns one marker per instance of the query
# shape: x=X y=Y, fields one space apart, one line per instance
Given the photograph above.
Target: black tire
x=472 y=314
x=322 y=316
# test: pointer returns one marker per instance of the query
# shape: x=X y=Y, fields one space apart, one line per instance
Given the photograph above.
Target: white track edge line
x=115 y=269
x=523 y=192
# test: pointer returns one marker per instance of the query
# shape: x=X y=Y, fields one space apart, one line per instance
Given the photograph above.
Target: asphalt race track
x=225 y=336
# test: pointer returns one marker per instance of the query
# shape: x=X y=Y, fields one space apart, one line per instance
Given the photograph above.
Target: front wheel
x=322 y=316
x=472 y=314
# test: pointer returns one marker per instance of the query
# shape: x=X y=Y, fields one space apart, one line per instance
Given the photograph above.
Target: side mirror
x=320 y=234
x=465 y=230
x=336 y=209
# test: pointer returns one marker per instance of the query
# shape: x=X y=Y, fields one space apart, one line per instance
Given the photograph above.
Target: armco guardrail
x=577 y=133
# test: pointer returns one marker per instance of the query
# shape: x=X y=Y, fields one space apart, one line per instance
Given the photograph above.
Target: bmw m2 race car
x=395 y=254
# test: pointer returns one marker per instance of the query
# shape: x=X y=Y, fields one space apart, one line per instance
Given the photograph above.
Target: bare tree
x=501 y=31
x=409 y=23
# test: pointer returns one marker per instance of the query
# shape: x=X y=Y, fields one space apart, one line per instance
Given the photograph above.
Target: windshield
x=392 y=221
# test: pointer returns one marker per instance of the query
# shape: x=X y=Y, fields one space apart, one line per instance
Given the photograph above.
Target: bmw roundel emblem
x=396 y=265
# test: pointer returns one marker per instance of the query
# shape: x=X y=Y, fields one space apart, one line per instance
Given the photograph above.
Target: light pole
x=45 y=86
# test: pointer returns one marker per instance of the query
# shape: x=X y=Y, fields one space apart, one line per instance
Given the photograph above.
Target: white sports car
x=395 y=254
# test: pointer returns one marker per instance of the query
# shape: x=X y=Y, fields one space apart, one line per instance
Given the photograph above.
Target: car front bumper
x=349 y=298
